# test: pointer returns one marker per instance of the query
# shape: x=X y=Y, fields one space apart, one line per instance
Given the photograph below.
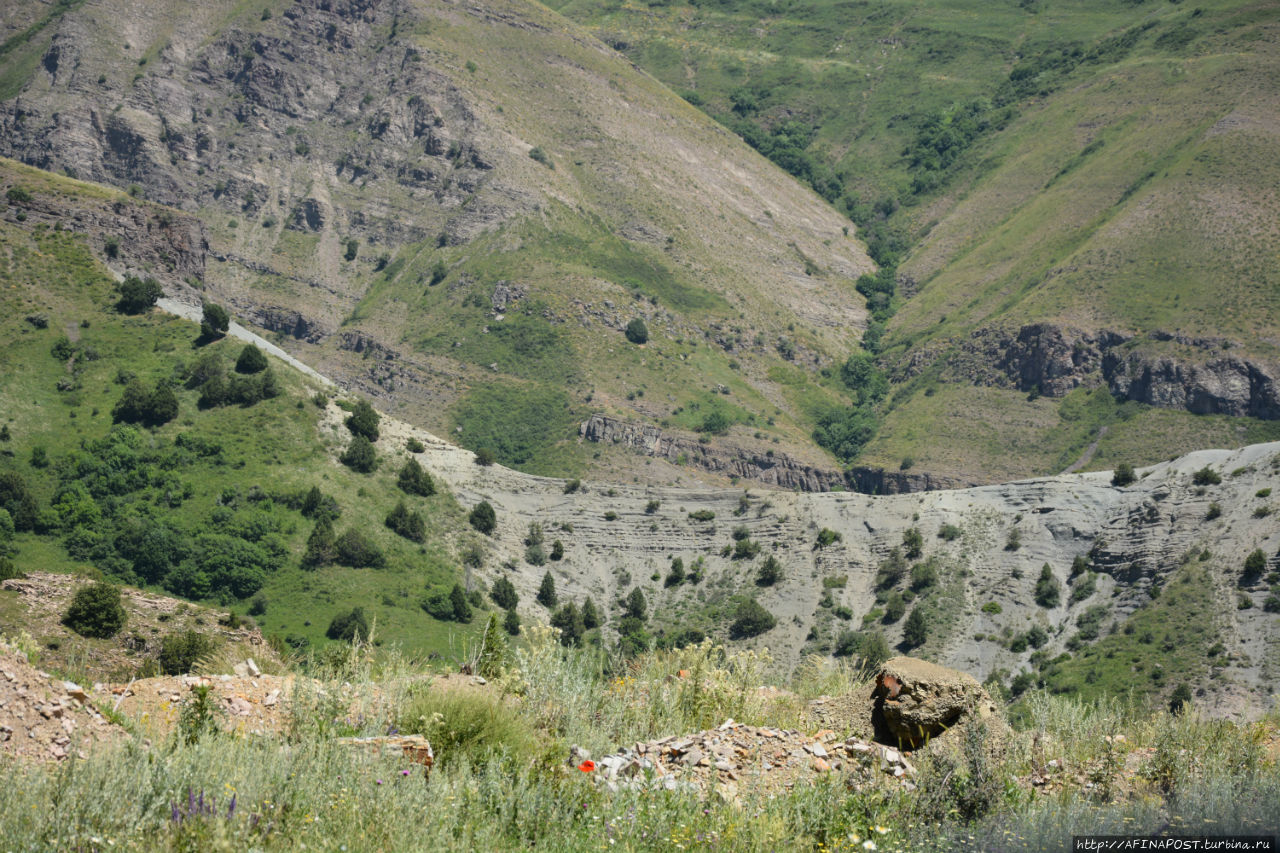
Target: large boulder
x=916 y=701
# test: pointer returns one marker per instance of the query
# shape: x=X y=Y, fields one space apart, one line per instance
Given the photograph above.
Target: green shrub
x=180 y=652
x=1254 y=565
x=770 y=572
x=1206 y=476
x=483 y=518
x=96 y=611
x=992 y=607
x=750 y=620
x=360 y=455
x=353 y=248
x=1084 y=587
x=1123 y=475
x=912 y=543
x=8 y=570
x=915 y=632
x=358 y=550
x=414 y=480
x=251 y=360
x=470 y=727
x=413 y=445
x=547 y=591
x=349 y=626
x=826 y=538
x=364 y=420
x=702 y=515
x=321 y=545
x=1048 y=590
x=138 y=295
x=568 y=619
x=214 y=321
x=637 y=332
x=407 y=523
x=504 y=594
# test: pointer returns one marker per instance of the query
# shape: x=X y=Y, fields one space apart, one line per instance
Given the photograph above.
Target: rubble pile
x=43 y=718
x=737 y=755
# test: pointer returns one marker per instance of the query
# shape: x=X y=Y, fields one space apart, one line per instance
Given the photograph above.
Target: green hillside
x=212 y=503
x=489 y=195
x=1095 y=167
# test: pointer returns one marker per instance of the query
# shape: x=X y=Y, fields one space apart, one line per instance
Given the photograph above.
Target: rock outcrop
x=133 y=237
x=880 y=481
x=1172 y=371
x=776 y=469
x=916 y=701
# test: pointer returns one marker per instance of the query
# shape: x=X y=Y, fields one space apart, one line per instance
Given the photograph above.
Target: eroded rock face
x=916 y=701
x=778 y=469
x=1172 y=371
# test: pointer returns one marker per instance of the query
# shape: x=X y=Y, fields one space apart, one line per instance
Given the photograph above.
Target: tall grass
x=503 y=779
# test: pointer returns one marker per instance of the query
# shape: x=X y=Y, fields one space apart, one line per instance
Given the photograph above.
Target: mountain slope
x=1076 y=195
x=479 y=195
x=1073 y=581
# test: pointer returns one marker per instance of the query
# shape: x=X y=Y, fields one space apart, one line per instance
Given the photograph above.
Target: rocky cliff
x=720 y=457
x=1165 y=369
x=130 y=235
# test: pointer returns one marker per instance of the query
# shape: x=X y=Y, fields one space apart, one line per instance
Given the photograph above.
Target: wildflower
x=404 y=772
x=587 y=766
x=880 y=829
x=379 y=781
x=868 y=845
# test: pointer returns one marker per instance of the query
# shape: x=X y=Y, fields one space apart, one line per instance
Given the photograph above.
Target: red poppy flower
x=587 y=766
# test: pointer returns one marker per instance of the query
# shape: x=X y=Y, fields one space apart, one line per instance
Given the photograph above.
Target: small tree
x=321 y=548
x=138 y=295
x=569 y=620
x=511 y=623
x=483 y=518
x=214 y=321
x=347 y=627
x=357 y=550
x=1048 y=590
x=915 y=632
x=590 y=614
x=251 y=360
x=96 y=611
x=162 y=406
x=637 y=331
x=770 y=572
x=364 y=420
x=414 y=480
x=675 y=576
x=1123 y=475
x=461 y=605
x=912 y=543
x=751 y=620
x=547 y=591
x=1254 y=565
x=874 y=649
x=1180 y=700
x=360 y=455
x=635 y=606
x=494 y=651
x=504 y=594
x=407 y=523
x=132 y=403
